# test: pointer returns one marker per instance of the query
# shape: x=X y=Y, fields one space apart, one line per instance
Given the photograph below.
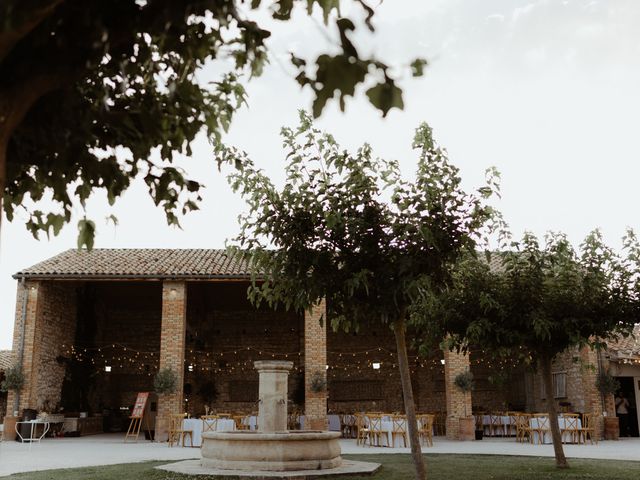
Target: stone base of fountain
x=275 y=452
x=272 y=451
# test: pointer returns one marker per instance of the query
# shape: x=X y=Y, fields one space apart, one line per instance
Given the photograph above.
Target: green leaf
x=386 y=96
x=86 y=233
x=417 y=67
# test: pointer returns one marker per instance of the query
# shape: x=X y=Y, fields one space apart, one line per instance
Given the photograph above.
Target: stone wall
x=49 y=325
x=581 y=368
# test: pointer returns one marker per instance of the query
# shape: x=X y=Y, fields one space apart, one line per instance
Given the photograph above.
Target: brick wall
x=225 y=335
x=315 y=361
x=458 y=402
x=121 y=313
x=172 y=350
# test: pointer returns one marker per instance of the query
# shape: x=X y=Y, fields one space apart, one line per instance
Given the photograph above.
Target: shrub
x=318 y=382
x=607 y=384
x=165 y=382
x=464 y=381
x=13 y=379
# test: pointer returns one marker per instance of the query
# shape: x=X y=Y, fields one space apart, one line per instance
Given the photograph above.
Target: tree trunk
x=399 y=329
x=547 y=378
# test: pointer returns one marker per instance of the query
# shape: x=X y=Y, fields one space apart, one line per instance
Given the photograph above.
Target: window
x=559 y=385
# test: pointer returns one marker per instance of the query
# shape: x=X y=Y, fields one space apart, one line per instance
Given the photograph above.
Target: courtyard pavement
x=109 y=449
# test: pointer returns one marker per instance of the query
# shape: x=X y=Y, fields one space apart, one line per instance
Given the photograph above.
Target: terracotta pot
x=611 y=428
x=466 y=428
x=9 y=432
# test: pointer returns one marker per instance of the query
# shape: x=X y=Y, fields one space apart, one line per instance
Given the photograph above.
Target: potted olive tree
x=607 y=384
x=164 y=383
x=464 y=381
x=13 y=381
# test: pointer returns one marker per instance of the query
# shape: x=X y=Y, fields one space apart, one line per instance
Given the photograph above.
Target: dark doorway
x=628 y=425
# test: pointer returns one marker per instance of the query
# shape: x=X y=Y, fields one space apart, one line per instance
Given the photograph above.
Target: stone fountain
x=272 y=448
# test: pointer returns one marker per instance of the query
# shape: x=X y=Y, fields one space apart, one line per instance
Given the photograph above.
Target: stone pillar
x=315 y=362
x=273 y=394
x=29 y=347
x=593 y=400
x=172 y=348
x=458 y=402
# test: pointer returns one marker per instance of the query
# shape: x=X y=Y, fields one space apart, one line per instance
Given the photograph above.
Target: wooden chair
x=588 y=429
x=239 y=422
x=425 y=428
x=523 y=428
x=177 y=434
x=541 y=426
x=209 y=423
x=348 y=426
x=224 y=415
x=570 y=428
x=293 y=422
x=399 y=428
x=376 y=431
x=496 y=424
x=362 y=429
x=511 y=426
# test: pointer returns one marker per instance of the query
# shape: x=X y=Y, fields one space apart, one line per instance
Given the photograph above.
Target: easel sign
x=136 y=417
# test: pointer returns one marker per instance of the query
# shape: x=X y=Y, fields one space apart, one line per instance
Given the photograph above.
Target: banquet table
x=506 y=425
x=195 y=425
x=546 y=435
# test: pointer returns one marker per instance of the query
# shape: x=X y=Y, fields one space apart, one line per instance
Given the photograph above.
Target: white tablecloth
x=195 y=425
x=334 y=423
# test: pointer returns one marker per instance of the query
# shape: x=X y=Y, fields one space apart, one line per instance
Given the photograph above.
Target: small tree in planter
x=318 y=383
x=464 y=381
x=165 y=382
x=607 y=384
x=13 y=380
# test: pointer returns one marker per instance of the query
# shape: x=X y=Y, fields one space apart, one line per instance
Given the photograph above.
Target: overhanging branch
x=9 y=38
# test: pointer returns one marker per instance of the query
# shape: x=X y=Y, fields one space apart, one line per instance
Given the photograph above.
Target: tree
x=537 y=302
x=81 y=81
x=348 y=228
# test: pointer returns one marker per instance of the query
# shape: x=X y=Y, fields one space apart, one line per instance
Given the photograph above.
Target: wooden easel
x=137 y=416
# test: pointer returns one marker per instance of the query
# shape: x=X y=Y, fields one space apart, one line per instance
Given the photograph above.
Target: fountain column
x=272 y=395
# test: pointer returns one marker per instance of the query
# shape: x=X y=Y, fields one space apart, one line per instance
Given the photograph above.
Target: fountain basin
x=273 y=452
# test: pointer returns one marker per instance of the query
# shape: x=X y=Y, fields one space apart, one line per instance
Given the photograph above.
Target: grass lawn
x=394 y=467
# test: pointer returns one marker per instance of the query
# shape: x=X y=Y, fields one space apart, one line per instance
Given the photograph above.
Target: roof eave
x=159 y=277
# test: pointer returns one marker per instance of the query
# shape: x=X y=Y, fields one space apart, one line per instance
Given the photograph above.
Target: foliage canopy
x=93 y=94
x=349 y=228
x=534 y=301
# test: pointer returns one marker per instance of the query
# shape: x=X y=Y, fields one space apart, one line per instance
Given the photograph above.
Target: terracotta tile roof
x=627 y=347
x=131 y=263
x=6 y=359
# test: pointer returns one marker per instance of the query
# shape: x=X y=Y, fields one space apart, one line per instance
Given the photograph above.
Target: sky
x=546 y=91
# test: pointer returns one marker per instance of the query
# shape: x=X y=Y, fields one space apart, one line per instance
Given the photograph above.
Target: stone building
x=96 y=326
